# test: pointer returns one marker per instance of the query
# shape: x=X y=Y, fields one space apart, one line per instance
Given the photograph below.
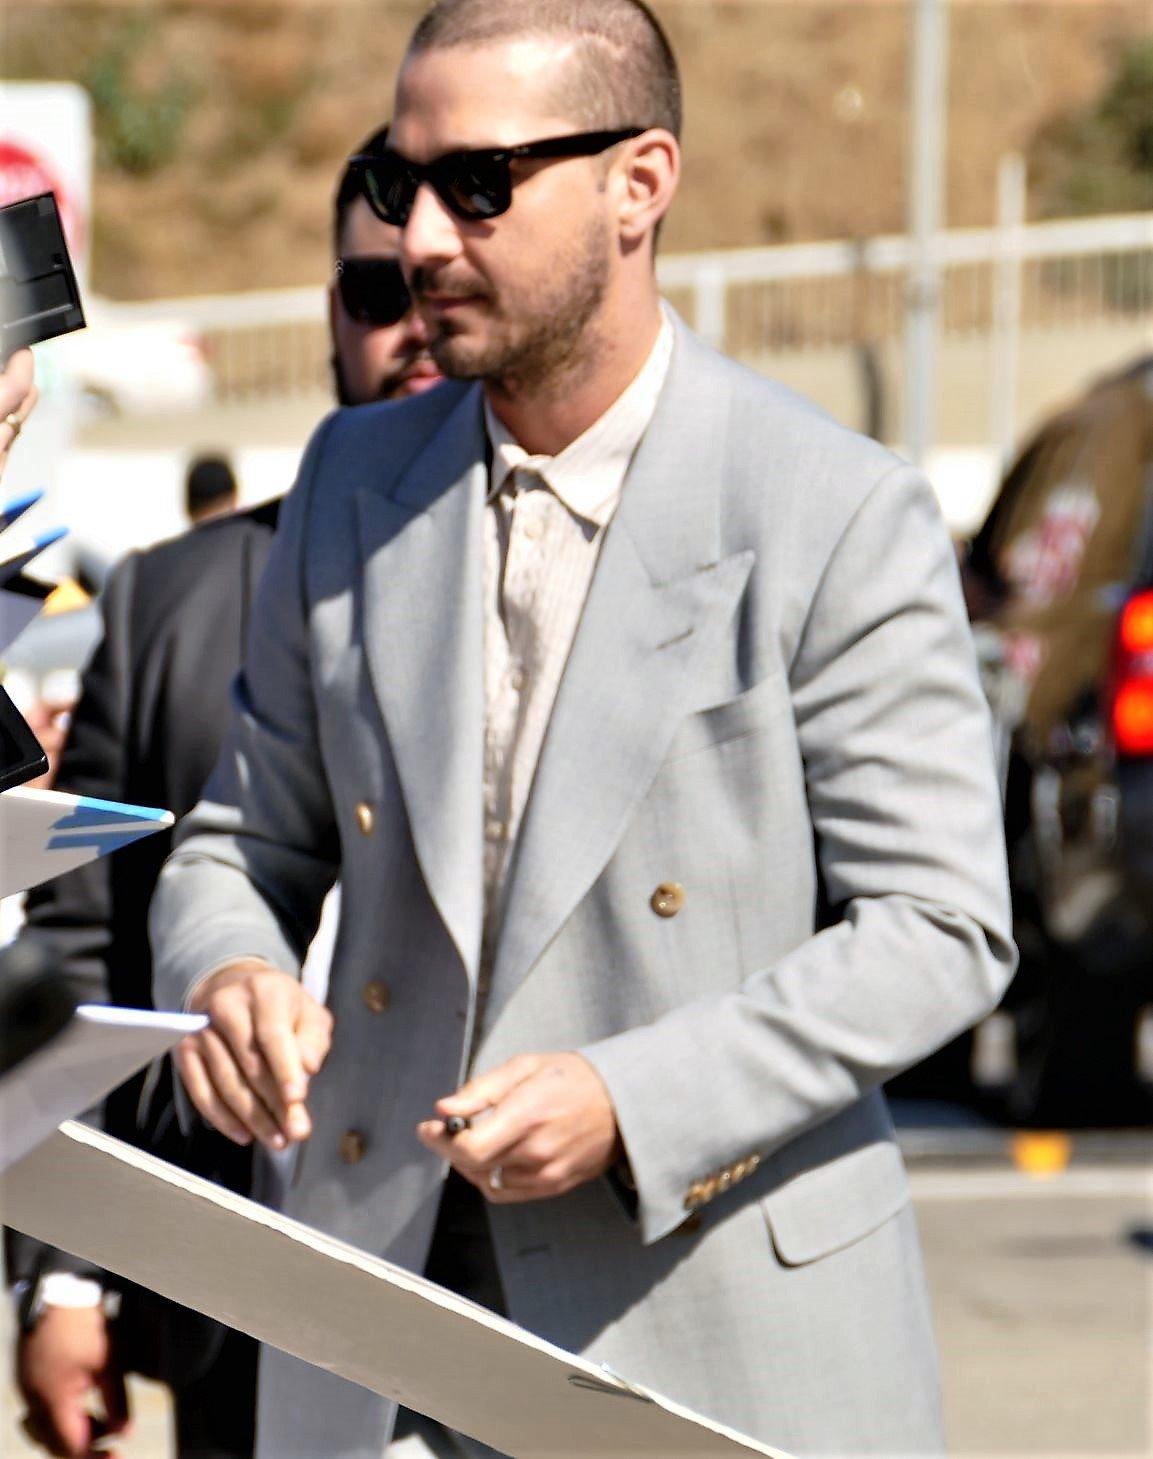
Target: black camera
x=39 y=296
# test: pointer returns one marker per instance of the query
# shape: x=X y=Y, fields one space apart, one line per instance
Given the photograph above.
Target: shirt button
x=495 y=830
x=516 y=679
x=352 y=1147
x=668 y=899
x=365 y=818
x=376 y=996
x=532 y=530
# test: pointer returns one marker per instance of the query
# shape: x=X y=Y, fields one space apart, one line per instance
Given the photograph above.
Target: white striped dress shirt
x=544 y=525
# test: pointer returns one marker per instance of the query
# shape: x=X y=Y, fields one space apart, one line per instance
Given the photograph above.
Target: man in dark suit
x=146 y=731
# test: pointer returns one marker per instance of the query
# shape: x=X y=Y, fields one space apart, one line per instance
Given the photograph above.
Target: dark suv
x=1060 y=589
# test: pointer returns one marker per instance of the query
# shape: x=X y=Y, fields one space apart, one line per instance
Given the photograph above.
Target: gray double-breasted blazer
x=771 y=702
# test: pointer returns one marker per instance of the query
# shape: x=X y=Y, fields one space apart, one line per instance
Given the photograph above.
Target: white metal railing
x=753 y=302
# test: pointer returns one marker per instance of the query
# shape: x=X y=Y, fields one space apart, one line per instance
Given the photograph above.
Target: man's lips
x=423 y=369
x=419 y=377
x=446 y=303
x=418 y=384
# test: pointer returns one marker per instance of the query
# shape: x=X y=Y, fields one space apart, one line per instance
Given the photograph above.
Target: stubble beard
x=548 y=340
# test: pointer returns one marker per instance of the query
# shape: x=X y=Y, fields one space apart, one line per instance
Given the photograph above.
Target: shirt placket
x=512 y=664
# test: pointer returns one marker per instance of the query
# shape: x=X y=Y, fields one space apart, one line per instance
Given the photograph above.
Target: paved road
x=1043 y=1291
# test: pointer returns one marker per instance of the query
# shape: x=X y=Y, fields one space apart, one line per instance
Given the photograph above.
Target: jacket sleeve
x=894 y=735
x=260 y=850
x=71 y=916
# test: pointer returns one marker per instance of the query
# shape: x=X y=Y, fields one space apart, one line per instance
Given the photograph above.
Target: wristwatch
x=60 y=1289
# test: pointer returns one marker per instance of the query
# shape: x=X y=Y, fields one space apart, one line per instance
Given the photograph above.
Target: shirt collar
x=589 y=474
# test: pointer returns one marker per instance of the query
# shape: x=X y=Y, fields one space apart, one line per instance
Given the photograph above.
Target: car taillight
x=1133 y=678
x=1136 y=628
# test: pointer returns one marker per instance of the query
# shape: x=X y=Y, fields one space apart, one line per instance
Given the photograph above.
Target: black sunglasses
x=373 y=290
x=472 y=184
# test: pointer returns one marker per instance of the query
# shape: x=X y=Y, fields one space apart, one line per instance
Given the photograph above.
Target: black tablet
x=21 y=757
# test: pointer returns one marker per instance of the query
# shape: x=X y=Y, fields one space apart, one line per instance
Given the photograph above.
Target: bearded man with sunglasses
x=146 y=730
x=379 y=340
x=634 y=702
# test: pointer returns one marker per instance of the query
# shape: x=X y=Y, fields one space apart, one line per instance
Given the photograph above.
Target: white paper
x=18 y=549
x=17 y=610
x=44 y=833
x=15 y=507
x=98 y=1050
x=341 y=1309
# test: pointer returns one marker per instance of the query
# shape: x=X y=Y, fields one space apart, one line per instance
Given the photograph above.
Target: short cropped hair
x=208 y=483
x=350 y=186
x=624 y=74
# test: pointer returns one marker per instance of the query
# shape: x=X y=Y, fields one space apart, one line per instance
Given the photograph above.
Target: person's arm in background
x=17 y=397
x=63 y=1351
x=261 y=850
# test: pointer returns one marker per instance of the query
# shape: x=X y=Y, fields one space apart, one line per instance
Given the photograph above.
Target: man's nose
x=416 y=331
x=430 y=237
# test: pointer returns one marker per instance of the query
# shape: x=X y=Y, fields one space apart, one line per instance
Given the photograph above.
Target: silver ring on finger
x=496 y=1178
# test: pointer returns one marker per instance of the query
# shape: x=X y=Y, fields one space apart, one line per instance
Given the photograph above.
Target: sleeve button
x=365 y=818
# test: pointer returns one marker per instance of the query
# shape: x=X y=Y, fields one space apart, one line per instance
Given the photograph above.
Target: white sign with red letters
x=46 y=146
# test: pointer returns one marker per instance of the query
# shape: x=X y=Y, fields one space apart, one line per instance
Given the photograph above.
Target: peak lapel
x=424 y=641
x=660 y=601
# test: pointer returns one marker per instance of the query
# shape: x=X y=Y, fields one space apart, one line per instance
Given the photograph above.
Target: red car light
x=1133 y=717
x=1133 y=678
x=1136 y=629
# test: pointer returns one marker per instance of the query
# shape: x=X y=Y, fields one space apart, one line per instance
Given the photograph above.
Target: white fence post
x=710 y=289
x=929 y=84
x=1005 y=336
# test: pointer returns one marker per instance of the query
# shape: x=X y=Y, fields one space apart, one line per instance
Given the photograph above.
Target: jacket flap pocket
x=733 y=719
x=830 y=1206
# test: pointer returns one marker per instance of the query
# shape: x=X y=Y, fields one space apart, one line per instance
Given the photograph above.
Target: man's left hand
x=542 y=1124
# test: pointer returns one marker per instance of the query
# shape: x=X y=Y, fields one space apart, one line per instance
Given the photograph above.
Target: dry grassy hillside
x=221 y=125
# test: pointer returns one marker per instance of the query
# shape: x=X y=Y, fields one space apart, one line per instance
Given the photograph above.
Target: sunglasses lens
x=390 y=189
x=477 y=187
x=373 y=290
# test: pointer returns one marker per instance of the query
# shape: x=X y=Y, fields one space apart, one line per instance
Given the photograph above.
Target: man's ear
x=649 y=173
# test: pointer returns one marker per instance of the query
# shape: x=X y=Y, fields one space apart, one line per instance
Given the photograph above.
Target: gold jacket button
x=352 y=1147
x=365 y=818
x=376 y=996
x=668 y=899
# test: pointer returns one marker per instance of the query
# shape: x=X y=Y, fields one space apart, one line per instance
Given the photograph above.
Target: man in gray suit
x=634 y=701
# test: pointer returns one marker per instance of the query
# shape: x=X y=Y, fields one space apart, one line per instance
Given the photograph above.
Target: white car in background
x=125 y=366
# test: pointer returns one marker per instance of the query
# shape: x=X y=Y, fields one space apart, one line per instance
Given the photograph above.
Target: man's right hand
x=59 y=1365
x=248 y=1072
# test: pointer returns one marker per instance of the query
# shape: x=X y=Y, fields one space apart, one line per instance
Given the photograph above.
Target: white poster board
x=44 y=833
x=319 y=1299
x=93 y=1055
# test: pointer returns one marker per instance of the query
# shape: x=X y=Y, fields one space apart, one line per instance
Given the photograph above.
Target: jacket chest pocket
x=765 y=706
